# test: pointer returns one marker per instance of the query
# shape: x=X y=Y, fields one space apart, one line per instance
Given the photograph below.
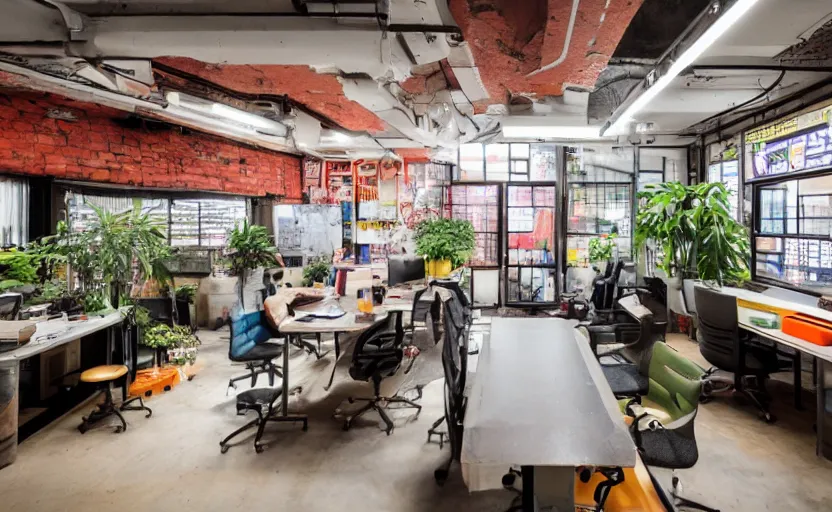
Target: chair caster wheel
x=258 y=448
x=351 y=400
x=119 y=429
x=223 y=448
x=768 y=418
x=440 y=475
x=346 y=426
x=389 y=432
x=82 y=428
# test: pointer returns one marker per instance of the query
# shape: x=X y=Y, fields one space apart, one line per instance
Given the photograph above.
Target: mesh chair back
x=457 y=320
x=719 y=332
x=378 y=350
x=10 y=305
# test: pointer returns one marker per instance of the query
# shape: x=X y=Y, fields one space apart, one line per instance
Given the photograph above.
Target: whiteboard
x=308 y=229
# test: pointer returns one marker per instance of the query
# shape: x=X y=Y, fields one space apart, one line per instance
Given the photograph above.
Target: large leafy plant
x=116 y=249
x=249 y=247
x=445 y=239
x=694 y=228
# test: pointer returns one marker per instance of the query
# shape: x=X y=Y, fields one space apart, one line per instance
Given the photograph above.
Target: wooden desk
x=747 y=303
x=540 y=401
x=48 y=335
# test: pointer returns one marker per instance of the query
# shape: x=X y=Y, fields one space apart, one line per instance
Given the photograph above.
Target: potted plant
x=317 y=271
x=601 y=251
x=249 y=247
x=698 y=238
x=103 y=255
x=693 y=227
x=185 y=304
x=445 y=243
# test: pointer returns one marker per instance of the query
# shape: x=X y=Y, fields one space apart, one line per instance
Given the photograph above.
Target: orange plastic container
x=154 y=381
x=808 y=328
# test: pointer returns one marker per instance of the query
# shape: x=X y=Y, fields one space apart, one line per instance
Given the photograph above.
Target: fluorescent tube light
x=714 y=32
x=552 y=132
x=242 y=117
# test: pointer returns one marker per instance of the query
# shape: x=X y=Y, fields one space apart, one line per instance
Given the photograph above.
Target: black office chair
x=10 y=304
x=457 y=323
x=404 y=268
x=264 y=402
x=723 y=344
x=378 y=354
x=249 y=344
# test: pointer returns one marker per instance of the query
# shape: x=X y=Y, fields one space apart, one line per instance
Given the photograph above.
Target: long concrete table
x=540 y=401
x=49 y=335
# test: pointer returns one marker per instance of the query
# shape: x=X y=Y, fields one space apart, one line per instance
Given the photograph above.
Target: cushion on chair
x=260 y=396
x=247 y=331
x=625 y=380
x=104 y=373
x=667 y=449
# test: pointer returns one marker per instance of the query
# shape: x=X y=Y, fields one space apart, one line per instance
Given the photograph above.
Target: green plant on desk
x=249 y=247
x=601 y=248
x=317 y=271
x=445 y=239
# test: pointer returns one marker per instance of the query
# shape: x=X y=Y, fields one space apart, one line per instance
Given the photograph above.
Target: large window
x=507 y=162
x=599 y=201
x=14 y=211
x=479 y=204
x=200 y=222
x=793 y=229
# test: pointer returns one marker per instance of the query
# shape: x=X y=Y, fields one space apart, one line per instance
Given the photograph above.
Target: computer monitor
x=401 y=269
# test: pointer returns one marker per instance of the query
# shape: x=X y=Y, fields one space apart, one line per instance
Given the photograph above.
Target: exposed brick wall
x=95 y=146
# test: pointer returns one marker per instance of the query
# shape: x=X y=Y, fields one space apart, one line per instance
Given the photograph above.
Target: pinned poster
x=312 y=172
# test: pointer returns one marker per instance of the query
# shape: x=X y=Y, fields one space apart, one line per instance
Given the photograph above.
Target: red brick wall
x=95 y=147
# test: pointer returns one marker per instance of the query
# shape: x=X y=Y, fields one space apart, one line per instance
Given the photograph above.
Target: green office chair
x=675 y=387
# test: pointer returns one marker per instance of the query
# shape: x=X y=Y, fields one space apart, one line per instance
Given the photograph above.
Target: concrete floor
x=172 y=460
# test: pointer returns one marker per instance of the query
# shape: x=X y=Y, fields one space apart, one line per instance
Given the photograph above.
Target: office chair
x=457 y=321
x=249 y=344
x=10 y=304
x=378 y=354
x=404 y=268
x=105 y=376
x=675 y=387
x=264 y=402
x=723 y=344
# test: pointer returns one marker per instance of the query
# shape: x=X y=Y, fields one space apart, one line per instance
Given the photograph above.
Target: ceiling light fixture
x=241 y=116
x=552 y=132
x=714 y=32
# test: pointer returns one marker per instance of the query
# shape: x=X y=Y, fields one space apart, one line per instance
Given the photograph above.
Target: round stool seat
x=104 y=373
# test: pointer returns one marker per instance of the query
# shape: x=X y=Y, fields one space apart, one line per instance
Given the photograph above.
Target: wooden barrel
x=8 y=412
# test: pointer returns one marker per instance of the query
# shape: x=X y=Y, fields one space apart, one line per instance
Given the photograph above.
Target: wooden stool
x=103 y=376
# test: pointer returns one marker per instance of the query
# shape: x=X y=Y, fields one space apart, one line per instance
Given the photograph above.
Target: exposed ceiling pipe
x=565 y=51
x=34 y=80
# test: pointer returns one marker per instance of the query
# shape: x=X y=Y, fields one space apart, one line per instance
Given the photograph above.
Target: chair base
x=255 y=369
x=753 y=390
x=686 y=503
x=109 y=408
x=260 y=423
x=434 y=431
x=375 y=404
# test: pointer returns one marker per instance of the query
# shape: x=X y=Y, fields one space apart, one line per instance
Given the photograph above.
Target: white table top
x=65 y=333
x=776 y=302
x=344 y=323
x=779 y=336
x=540 y=398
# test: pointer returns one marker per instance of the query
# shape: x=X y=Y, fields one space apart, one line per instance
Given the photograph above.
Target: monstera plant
x=693 y=227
